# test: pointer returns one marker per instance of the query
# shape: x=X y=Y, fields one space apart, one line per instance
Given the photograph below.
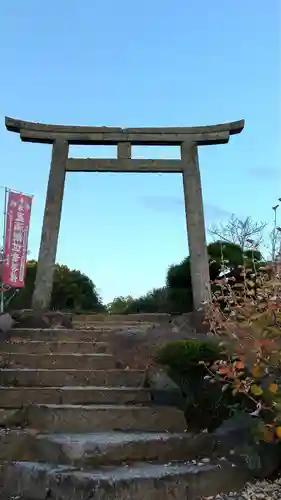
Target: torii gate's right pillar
x=195 y=224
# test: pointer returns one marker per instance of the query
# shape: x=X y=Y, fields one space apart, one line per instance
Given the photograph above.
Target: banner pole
x=3 y=252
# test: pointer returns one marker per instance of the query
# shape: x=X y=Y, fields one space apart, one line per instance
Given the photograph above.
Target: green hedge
x=206 y=405
x=183 y=356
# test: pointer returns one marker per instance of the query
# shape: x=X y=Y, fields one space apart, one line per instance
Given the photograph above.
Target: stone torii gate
x=61 y=136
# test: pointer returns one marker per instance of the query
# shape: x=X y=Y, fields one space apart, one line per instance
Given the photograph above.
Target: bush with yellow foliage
x=246 y=317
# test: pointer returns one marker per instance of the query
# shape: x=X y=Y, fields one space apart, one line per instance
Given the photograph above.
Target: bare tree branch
x=242 y=232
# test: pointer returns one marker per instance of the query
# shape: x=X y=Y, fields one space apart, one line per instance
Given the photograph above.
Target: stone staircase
x=77 y=426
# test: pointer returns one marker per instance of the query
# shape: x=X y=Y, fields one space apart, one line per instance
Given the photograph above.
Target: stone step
x=15 y=397
x=47 y=347
x=98 y=449
x=59 y=378
x=58 y=361
x=101 y=418
x=141 y=482
x=138 y=318
x=61 y=334
x=12 y=444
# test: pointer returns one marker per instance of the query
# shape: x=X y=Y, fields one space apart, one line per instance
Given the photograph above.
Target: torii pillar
x=188 y=138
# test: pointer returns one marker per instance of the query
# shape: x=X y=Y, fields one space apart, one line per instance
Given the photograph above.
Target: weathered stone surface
x=59 y=361
x=41 y=298
x=49 y=347
x=164 y=391
x=54 y=378
x=14 y=125
x=12 y=417
x=111 y=411
x=15 y=397
x=199 y=260
x=28 y=318
x=187 y=322
x=141 y=482
x=100 y=418
x=61 y=334
x=97 y=449
x=123 y=165
x=236 y=437
x=13 y=444
x=6 y=323
x=136 y=347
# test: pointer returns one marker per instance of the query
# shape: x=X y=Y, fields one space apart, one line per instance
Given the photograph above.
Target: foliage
x=119 y=305
x=72 y=290
x=155 y=301
x=178 y=282
x=185 y=362
x=184 y=356
x=249 y=329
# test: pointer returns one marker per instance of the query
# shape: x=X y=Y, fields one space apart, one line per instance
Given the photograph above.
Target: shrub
x=185 y=356
x=186 y=362
x=249 y=327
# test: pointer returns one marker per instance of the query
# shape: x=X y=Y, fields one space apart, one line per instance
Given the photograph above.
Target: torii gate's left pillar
x=51 y=224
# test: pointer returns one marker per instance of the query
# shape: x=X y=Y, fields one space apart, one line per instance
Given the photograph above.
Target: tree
x=241 y=232
x=119 y=305
x=223 y=256
x=72 y=290
x=155 y=301
x=152 y=302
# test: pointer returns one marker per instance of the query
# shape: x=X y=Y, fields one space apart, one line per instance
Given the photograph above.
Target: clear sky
x=147 y=63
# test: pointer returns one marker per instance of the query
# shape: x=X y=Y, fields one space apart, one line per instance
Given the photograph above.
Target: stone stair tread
x=141 y=481
x=63 y=361
x=49 y=377
x=112 y=370
x=27 y=346
x=95 y=449
x=112 y=437
x=63 y=334
x=63 y=354
x=76 y=388
x=102 y=417
x=99 y=407
x=15 y=397
x=26 y=340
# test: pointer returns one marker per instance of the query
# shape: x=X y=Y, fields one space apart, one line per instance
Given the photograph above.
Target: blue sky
x=148 y=63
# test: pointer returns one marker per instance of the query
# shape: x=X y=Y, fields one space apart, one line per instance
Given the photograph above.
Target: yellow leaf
x=257 y=371
x=278 y=431
x=273 y=388
x=267 y=435
x=256 y=390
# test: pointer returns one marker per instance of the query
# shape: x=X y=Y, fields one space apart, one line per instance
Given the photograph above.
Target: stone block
x=141 y=482
x=59 y=361
x=28 y=318
x=15 y=397
x=100 y=418
x=59 y=378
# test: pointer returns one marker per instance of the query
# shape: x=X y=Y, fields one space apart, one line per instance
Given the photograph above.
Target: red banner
x=16 y=239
